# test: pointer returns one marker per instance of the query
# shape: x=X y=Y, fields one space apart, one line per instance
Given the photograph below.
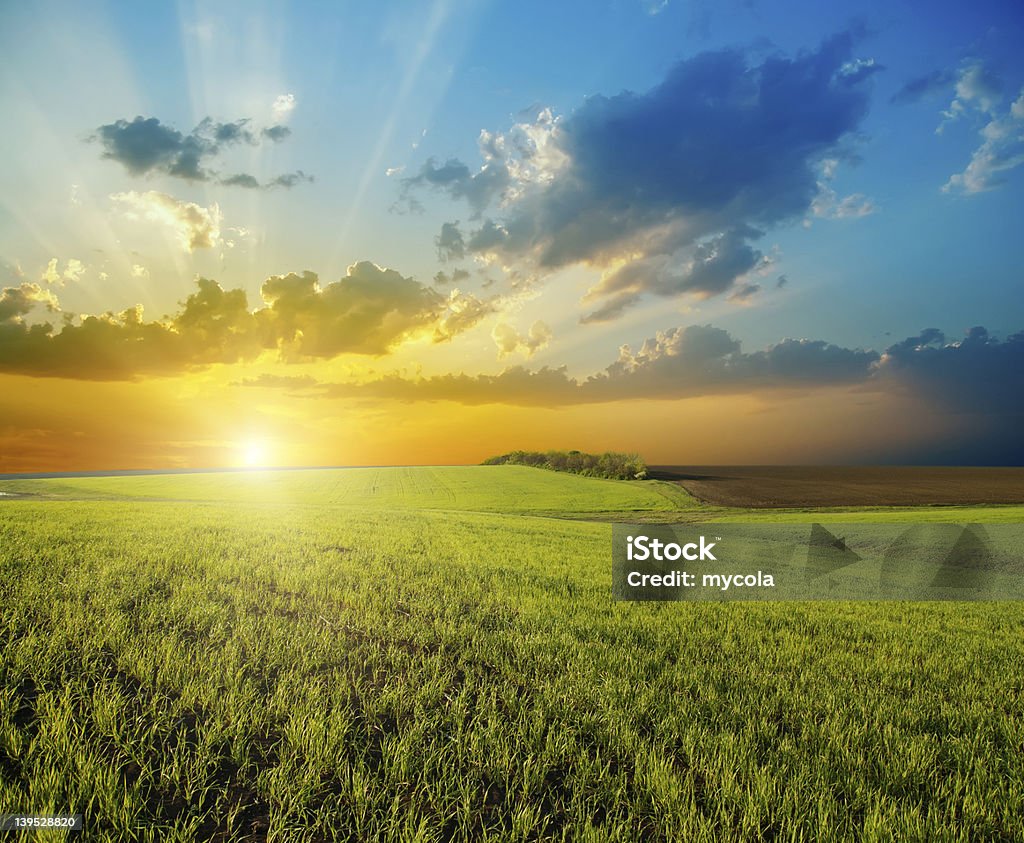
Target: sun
x=255 y=453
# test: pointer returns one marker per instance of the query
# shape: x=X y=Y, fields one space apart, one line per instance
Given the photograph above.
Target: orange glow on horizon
x=195 y=421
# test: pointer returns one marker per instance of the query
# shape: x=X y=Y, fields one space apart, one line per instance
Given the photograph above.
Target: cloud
x=145 y=147
x=51 y=275
x=977 y=374
x=456 y=276
x=276 y=133
x=228 y=133
x=236 y=235
x=267 y=381
x=289 y=180
x=216 y=325
x=194 y=226
x=369 y=311
x=450 y=245
x=526 y=155
x=139 y=271
x=242 y=180
x=703 y=360
x=515 y=386
x=979 y=379
x=828 y=205
x=931 y=84
x=611 y=309
x=977 y=89
x=1001 y=150
x=510 y=341
x=454 y=178
x=713 y=268
x=679 y=180
x=745 y=293
x=679 y=363
x=487 y=239
x=285 y=180
x=976 y=383
x=211 y=328
x=16 y=302
x=283 y=107
x=463 y=312
x=74 y=269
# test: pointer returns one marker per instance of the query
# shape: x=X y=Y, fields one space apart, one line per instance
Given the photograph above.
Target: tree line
x=611 y=465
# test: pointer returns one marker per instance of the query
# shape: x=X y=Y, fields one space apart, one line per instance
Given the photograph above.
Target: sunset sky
x=427 y=232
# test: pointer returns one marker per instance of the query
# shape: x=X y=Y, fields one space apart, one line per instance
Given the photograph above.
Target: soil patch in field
x=797 y=486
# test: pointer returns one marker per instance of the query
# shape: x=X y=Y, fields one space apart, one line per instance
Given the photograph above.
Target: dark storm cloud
x=145 y=146
x=976 y=382
x=930 y=84
x=679 y=179
x=976 y=375
x=369 y=311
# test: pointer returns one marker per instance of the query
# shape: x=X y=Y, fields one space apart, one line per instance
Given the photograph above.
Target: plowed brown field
x=798 y=486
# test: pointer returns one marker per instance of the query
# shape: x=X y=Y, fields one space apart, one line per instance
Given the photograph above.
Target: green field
x=433 y=654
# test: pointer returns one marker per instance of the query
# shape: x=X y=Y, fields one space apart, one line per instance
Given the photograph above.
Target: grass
x=414 y=654
x=505 y=489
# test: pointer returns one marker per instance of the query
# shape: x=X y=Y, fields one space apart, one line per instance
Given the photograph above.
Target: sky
x=736 y=232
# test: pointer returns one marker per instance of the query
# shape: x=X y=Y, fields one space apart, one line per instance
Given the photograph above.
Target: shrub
x=610 y=465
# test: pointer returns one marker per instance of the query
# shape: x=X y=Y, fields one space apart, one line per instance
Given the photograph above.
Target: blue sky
x=558 y=180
